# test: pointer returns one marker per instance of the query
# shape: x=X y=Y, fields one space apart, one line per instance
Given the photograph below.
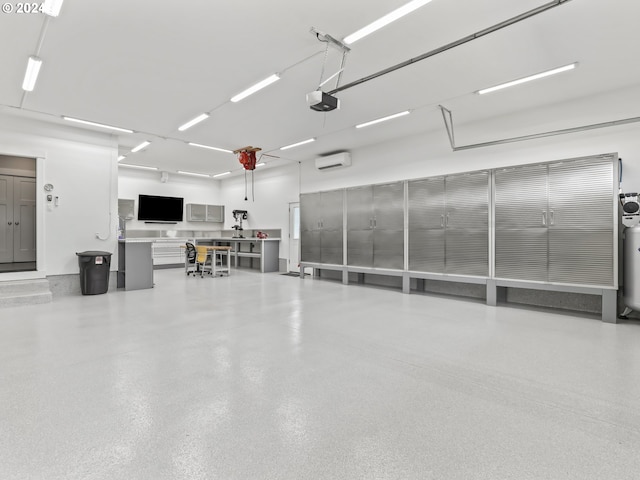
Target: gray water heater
x=632 y=268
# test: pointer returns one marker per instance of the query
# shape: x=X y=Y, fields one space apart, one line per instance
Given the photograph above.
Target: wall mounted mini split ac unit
x=337 y=160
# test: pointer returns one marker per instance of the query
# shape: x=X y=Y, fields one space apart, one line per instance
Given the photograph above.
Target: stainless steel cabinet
x=321 y=227
x=449 y=224
x=375 y=226
x=554 y=222
x=521 y=242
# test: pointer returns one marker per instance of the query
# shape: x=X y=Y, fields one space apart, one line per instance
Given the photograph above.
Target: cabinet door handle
x=551 y=218
x=375 y=222
x=9 y=223
x=442 y=221
x=446 y=223
x=17 y=223
x=544 y=218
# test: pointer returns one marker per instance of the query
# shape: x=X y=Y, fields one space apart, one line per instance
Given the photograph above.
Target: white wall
x=132 y=183
x=82 y=168
x=274 y=189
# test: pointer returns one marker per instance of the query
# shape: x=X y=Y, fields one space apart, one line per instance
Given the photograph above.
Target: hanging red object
x=248 y=160
x=247 y=157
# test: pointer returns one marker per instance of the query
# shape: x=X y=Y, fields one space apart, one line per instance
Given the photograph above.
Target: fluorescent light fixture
x=193 y=173
x=102 y=125
x=140 y=147
x=386 y=20
x=141 y=167
x=31 y=75
x=298 y=144
x=258 y=86
x=121 y=157
x=528 y=79
x=261 y=164
x=222 y=174
x=209 y=147
x=191 y=123
x=52 y=7
x=384 y=119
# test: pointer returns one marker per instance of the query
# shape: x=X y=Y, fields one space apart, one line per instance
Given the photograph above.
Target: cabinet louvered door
x=426 y=225
x=521 y=217
x=581 y=221
x=360 y=226
x=388 y=226
x=467 y=224
x=310 y=227
x=331 y=223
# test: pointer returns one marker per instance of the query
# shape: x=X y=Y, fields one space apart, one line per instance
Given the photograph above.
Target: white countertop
x=136 y=240
x=180 y=239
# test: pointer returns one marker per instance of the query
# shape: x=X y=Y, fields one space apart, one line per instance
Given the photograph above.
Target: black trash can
x=94 y=272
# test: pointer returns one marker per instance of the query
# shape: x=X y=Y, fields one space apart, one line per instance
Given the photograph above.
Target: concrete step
x=24 y=292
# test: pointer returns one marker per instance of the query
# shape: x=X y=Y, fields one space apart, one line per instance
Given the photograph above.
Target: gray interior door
x=310 y=227
x=521 y=219
x=360 y=226
x=467 y=224
x=388 y=226
x=581 y=200
x=24 y=219
x=426 y=225
x=6 y=219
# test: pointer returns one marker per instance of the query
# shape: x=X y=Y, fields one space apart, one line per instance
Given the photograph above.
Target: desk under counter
x=135 y=264
x=252 y=252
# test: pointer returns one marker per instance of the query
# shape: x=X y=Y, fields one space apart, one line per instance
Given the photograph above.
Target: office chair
x=190 y=265
x=203 y=261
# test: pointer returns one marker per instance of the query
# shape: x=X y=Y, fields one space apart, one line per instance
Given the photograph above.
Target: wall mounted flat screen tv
x=152 y=208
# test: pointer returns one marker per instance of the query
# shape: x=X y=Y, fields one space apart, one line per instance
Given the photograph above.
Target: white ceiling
x=152 y=66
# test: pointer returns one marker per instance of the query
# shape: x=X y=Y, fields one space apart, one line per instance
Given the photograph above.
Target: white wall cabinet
x=197 y=212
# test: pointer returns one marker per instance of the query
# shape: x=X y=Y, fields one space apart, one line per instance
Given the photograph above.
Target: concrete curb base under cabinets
x=24 y=292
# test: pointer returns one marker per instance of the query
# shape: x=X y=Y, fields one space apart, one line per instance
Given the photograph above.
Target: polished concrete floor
x=271 y=377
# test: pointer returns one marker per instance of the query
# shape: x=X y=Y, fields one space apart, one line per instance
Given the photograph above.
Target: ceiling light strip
x=384 y=119
x=194 y=174
x=102 y=125
x=304 y=142
x=221 y=174
x=140 y=147
x=530 y=78
x=52 y=7
x=31 y=74
x=209 y=147
x=193 y=122
x=258 y=86
x=141 y=167
x=386 y=20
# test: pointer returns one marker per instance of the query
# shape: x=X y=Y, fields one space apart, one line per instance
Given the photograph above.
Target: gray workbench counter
x=266 y=250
